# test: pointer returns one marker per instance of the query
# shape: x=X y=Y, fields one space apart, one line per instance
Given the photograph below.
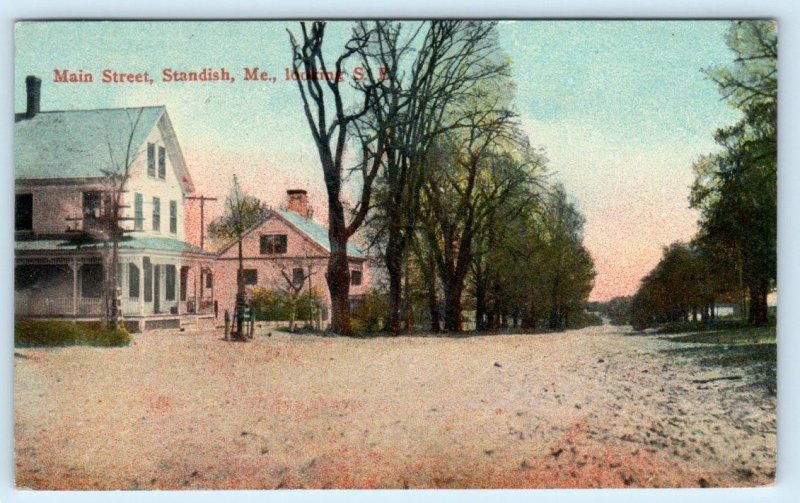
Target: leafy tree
x=736 y=189
x=568 y=267
x=469 y=178
x=435 y=67
x=679 y=286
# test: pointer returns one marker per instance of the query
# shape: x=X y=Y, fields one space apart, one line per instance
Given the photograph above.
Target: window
x=173 y=217
x=298 y=276
x=23 y=214
x=156 y=214
x=273 y=244
x=91 y=205
x=133 y=281
x=184 y=281
x=91 y=281
x=355 y=277
x=162 y=163
x=170 y=280
x=148 y=279
x=151 y=160
x=138 y=212
x=250 y=276
x=209 y=279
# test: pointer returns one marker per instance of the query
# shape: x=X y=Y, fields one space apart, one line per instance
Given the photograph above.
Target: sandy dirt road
x=584 y=408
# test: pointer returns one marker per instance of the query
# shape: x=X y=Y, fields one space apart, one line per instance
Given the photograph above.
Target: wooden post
x=252 y=323
x=227 y=324
x=74 y=288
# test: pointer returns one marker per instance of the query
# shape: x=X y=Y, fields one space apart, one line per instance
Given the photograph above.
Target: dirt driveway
x=586 y=408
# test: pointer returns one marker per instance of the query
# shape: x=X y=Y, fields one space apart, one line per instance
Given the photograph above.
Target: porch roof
x=132 y=243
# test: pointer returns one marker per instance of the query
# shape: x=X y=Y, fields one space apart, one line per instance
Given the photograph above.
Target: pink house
x=286 y=244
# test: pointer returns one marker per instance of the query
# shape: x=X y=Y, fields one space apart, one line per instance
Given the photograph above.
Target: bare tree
x=328 y=119
x=107 y=224
x=294 y=287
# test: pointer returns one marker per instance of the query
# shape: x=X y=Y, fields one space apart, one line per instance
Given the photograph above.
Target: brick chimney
x=298 y=201
x=33 y=87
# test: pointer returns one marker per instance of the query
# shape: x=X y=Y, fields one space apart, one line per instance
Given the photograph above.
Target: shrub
x=370 y=314
x=66 y=333
x=275 y=304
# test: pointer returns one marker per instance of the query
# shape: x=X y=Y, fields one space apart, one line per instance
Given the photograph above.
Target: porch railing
x=30 y=305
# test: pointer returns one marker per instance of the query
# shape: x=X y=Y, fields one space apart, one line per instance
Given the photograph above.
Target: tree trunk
x=759 y=313
x=532 y=315
x=452 y=306
x=480 y=303
x=292 y=312
x=408 y=306
x=433 y=298
x=394 y=268
x=338 y=274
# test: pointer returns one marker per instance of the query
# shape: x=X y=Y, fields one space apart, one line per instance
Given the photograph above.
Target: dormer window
x=151 y=159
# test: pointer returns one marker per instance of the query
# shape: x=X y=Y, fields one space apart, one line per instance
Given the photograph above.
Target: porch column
x=140 y=265
x=74 y=267
x=194 y=282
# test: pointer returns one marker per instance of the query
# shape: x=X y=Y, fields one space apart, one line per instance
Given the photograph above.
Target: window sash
x=273 y=244
x=138 y=212
x=298 y=276
x=156 y=214
x=148 y=279
x=133 y=281
x=151 y=159
x=170 y=281
x=250 y=276
x=162 y=162
x=173 y=217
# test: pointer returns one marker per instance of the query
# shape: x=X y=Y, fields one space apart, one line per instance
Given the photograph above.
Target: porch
x=151 y=288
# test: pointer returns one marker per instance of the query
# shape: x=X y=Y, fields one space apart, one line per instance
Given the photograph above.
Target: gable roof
x=308 y=227
x=316 y=232
x=75 y=143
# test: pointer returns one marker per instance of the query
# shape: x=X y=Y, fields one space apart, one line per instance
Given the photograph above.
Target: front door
x=156 y=289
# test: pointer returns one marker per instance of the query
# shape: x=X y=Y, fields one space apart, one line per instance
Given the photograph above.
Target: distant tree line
x=448 y=190
x=733 y=256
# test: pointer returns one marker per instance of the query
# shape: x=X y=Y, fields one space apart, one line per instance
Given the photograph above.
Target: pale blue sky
x=620 y=107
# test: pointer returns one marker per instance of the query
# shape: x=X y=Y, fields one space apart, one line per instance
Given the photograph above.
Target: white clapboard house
x=61 y=191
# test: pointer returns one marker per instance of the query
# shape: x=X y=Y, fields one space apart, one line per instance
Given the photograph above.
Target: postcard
x=395 y=254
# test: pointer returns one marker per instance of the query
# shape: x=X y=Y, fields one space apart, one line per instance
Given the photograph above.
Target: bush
x=370 y=314
x=275 y=304
x=66 y=333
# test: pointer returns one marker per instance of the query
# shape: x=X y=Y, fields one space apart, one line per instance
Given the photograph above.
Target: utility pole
x=202 y=200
